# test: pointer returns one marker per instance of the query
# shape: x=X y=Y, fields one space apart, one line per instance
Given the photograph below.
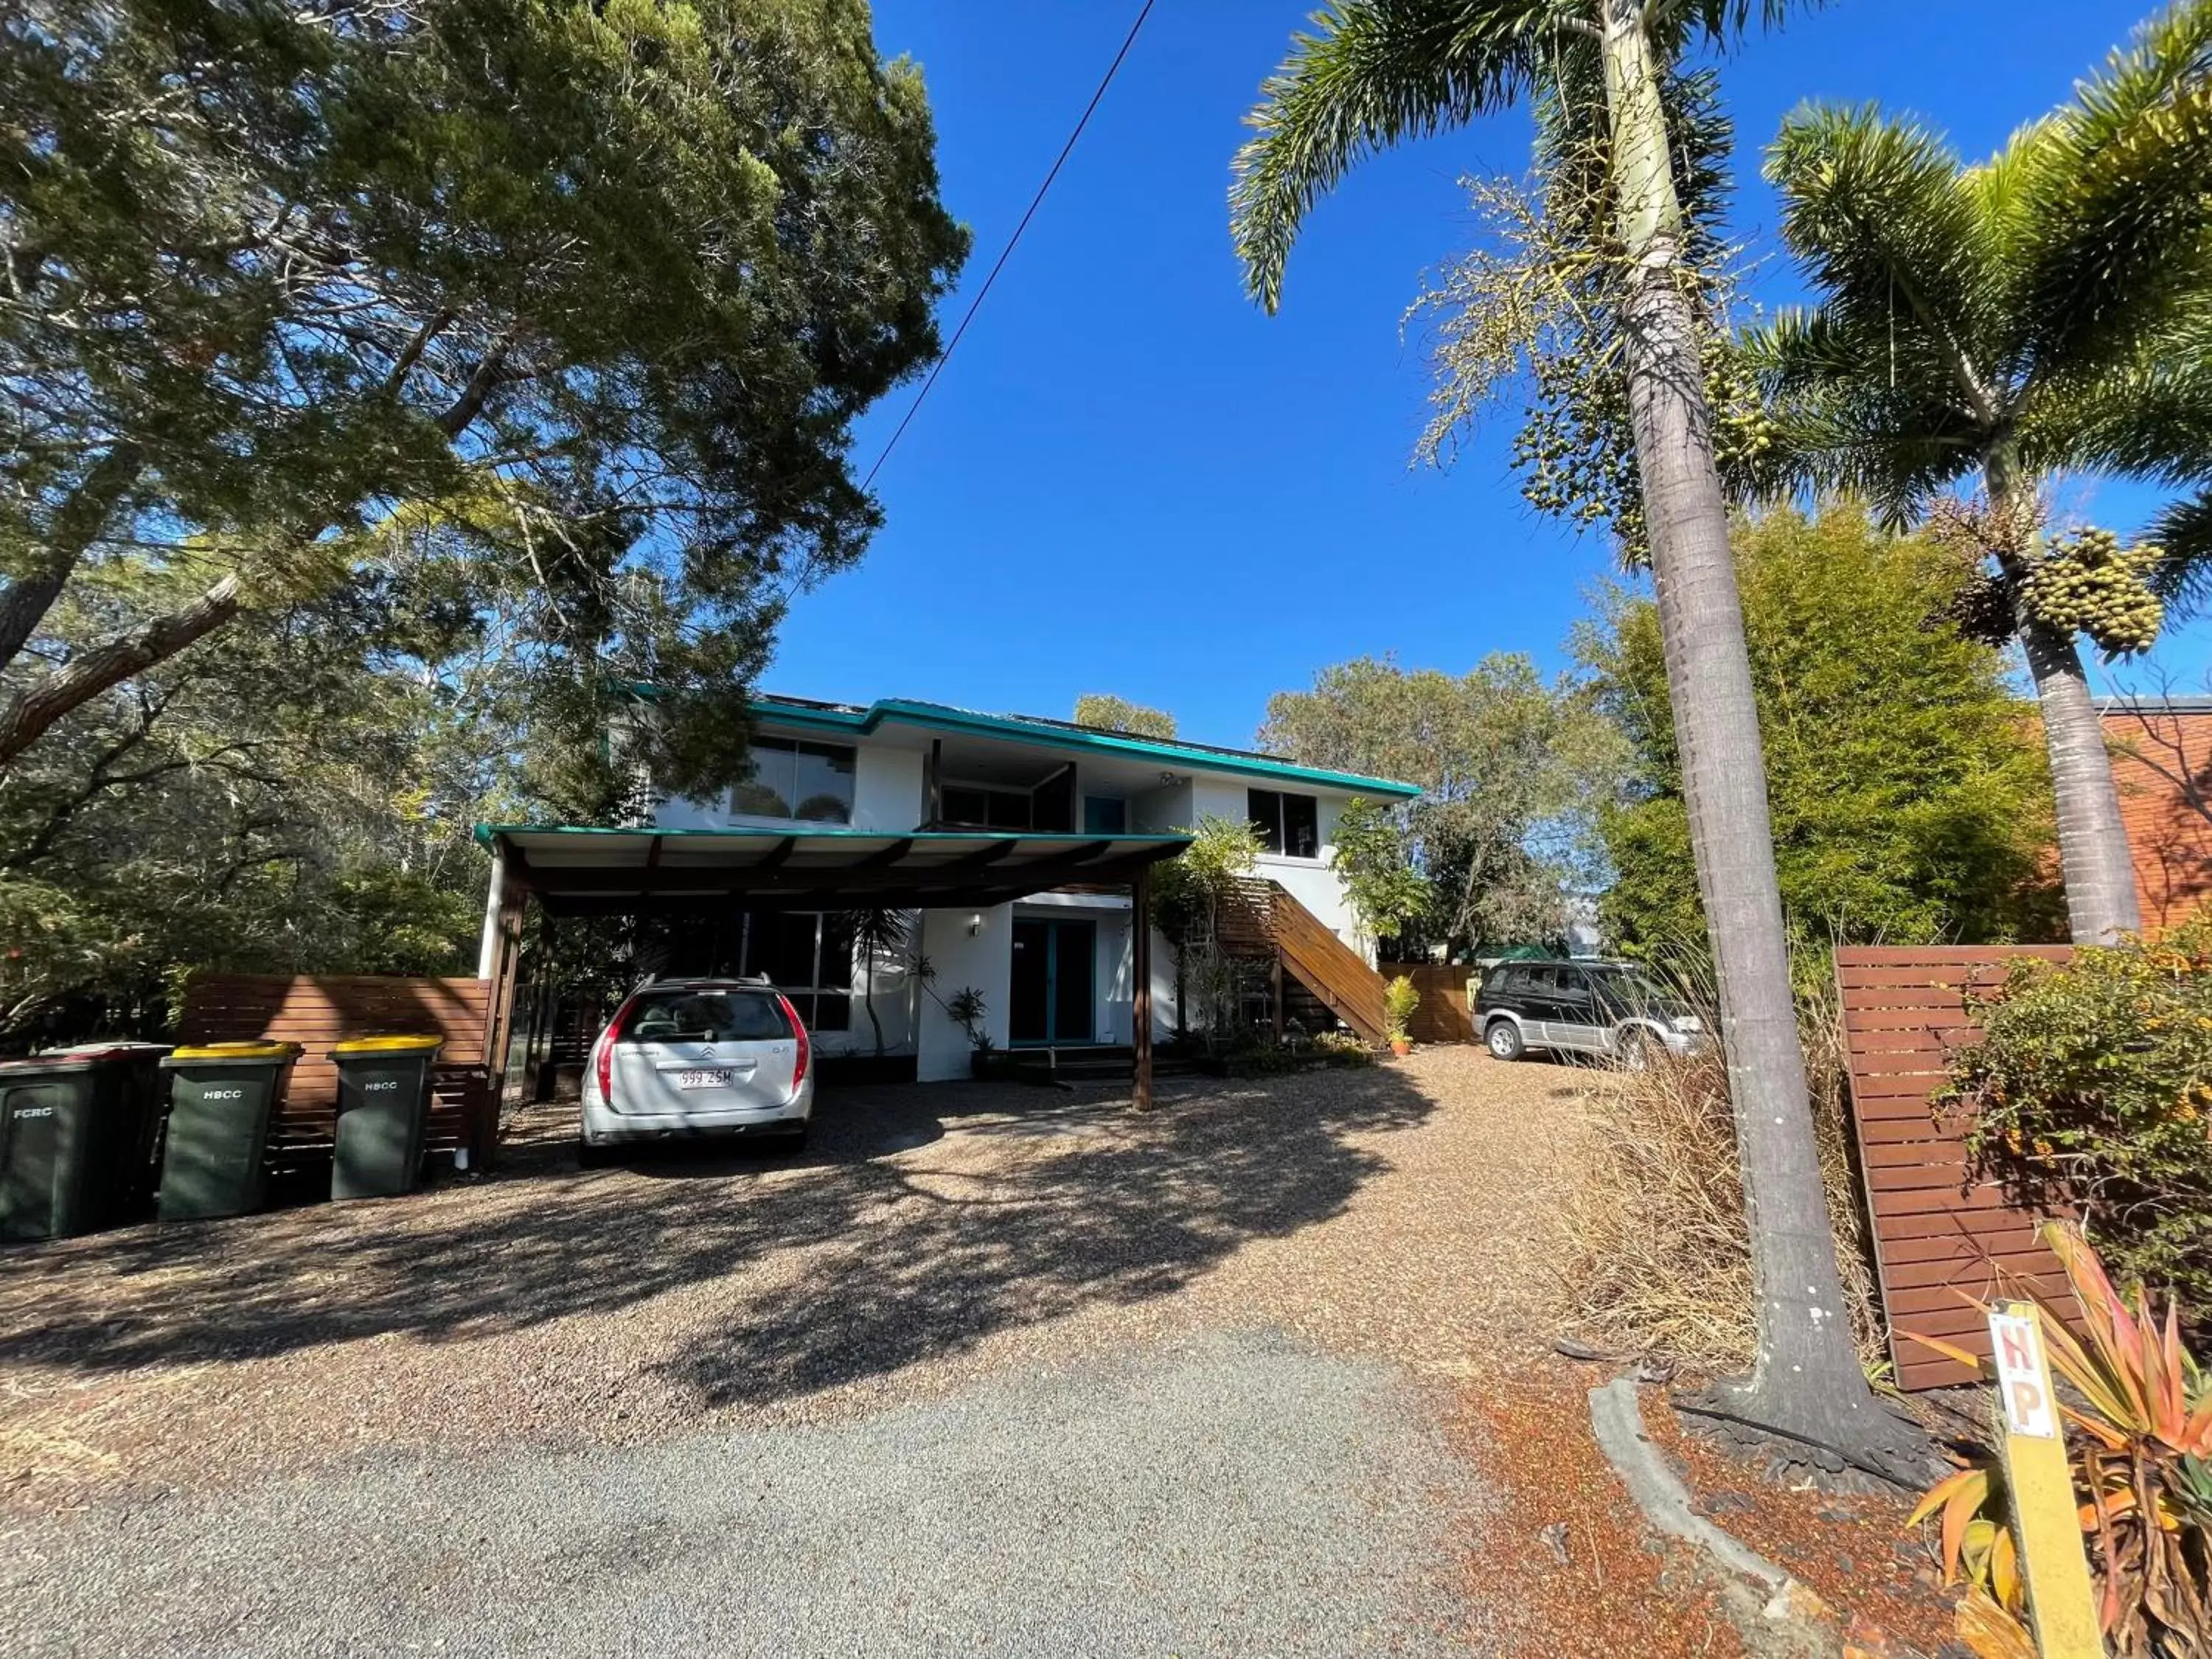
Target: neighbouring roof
x=576 y=869
x=853 y=719
x=2187 y=705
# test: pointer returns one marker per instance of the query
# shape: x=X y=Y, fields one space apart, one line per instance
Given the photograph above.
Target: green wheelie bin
x=383 y=1107
x=221 y=1098
x=76 y=1138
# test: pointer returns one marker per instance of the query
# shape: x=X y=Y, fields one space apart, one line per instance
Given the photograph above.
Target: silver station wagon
x=699 y=1057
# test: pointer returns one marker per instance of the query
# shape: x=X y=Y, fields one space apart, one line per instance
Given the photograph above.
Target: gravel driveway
x=992 y=1371
x=1234 y=1498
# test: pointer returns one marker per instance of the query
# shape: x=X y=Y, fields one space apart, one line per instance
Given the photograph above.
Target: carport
x=573 y=871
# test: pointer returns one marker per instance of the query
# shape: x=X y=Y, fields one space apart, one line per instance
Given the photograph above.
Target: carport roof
x=576 y=869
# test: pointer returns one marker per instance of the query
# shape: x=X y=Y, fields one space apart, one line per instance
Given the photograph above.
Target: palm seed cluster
x=2088 y=582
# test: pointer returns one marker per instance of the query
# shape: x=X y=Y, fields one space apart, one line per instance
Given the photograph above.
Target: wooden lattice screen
x=1936 y=1233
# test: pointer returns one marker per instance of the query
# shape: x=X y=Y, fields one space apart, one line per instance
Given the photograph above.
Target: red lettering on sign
x=2018 y=1355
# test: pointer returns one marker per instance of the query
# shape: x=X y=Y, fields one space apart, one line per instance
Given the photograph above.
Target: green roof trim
x=940 y=717
x=487 y=833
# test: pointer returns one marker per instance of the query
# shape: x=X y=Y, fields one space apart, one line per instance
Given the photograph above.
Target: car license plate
x=720 y=1078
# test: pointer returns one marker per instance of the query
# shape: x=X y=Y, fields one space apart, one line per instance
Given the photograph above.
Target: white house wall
x=984 y=959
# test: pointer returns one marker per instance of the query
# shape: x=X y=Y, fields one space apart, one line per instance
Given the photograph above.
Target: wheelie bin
x=76 y=1137
x=221 y=1098
x=383 y=1107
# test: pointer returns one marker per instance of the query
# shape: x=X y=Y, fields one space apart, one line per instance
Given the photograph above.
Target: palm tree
x=1375 y=71
x=1996 y=323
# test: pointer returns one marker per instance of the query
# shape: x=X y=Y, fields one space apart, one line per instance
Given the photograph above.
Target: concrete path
x=1228 y=1494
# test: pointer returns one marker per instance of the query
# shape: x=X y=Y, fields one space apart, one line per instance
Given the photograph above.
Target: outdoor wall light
x=974 y=924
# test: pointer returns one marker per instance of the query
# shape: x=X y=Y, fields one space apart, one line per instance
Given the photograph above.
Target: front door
x=1051 y=998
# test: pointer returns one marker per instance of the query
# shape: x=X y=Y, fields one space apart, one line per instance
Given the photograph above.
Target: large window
x=986 y=809
x=1288 y=824
x=808 y=956
x=811 y=782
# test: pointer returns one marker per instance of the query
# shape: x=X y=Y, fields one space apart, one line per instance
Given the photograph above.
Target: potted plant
x=1399 y=999
x=965 y=1009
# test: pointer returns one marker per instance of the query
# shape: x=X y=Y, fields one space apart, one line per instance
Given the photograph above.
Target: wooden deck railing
x=1262 y=919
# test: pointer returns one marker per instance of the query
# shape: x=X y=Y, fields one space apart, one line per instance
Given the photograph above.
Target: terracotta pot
x=1402 y=1047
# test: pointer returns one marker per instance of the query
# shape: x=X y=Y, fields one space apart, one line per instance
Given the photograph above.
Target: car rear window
x=706 y=1016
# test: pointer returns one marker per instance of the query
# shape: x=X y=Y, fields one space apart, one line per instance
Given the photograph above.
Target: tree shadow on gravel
x=925 y=1219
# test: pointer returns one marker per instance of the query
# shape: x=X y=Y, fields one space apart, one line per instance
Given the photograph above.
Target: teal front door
x=1054 y=982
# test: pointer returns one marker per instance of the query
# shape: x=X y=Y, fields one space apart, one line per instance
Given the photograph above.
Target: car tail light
x=799 y=1031
x=604 y=1061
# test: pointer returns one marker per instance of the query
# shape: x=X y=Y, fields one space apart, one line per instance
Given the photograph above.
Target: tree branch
x=28 y=715
x=80 y=519
x=455 y=419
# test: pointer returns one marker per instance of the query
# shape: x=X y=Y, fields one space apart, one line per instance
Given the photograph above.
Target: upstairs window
x=1288 y=824
x=811 y=782
x=1104 y=816
x=985 y=809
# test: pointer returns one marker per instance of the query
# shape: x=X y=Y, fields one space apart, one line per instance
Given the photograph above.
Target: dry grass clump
x=1662 y=1259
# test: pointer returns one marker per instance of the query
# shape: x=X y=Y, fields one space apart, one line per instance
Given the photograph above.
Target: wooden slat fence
x=1936 y=1233
x=1443 y=1015
x=317 y=1011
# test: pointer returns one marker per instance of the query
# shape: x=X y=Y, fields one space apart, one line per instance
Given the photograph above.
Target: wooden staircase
x=1260 y=919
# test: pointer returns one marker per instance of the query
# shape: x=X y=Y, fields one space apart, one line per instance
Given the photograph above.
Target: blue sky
x=1128 y=479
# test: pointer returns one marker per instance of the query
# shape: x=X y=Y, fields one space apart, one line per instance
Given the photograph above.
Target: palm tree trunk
x=1807 y=1385
x=2094 y=854
x=2092 y=841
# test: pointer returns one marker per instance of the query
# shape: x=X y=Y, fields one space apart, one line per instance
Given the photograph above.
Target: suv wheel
x=1504 y=1038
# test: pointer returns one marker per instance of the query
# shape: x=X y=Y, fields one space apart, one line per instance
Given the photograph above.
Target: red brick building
x=2162 y=762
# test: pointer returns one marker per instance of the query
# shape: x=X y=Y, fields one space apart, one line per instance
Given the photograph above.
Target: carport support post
x=1140 y=974
x=500 y=962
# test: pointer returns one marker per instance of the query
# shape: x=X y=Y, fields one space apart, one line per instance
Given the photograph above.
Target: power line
x=1036 y=202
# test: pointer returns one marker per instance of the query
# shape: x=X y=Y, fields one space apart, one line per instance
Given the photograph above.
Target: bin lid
x=238 y=1051
x=120 y=1048
x=45 y=1066
x=387 y=1045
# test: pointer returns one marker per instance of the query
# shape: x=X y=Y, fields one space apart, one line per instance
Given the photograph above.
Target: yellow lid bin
x=383 y=1114
x=386 y=1045
x=238 y=1051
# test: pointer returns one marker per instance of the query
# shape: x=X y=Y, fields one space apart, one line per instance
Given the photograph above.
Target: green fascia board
x=939 y=718
x=487 y=833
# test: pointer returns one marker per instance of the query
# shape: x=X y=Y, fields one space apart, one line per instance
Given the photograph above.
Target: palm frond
x=2184 y=577
x=2150 y=416
x=1879 y=215
x=2118 y=182
x=1677 y=24
x=1842 y=418
x=1369 y=74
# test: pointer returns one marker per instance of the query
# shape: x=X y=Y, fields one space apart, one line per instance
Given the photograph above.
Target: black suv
x=1614 y=1009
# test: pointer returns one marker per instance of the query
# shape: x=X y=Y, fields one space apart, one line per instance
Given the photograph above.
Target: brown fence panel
x=316 y=1010
x=1938 y=1236
x=1444 y=1016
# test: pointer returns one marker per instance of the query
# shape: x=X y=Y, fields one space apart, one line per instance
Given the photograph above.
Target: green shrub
x=1342 y=1048
x=2094 y=1082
